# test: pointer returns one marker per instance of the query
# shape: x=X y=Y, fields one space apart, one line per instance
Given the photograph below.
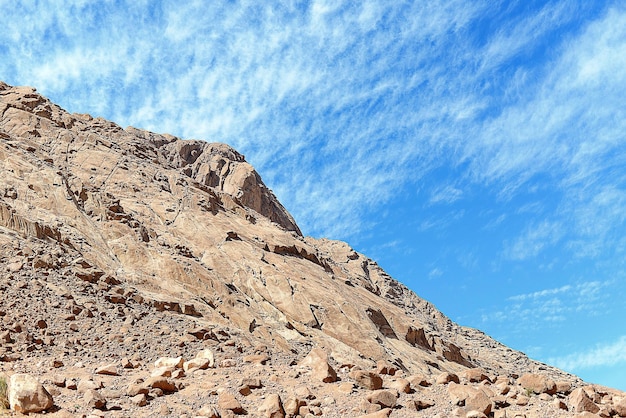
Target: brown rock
x=563 y=387
x=382 y=397
x=317 y=359
x=109 y=369
x=478 y=401
x=163 y=383
x=417 y=380
x=581 y=402
x=367 y=380
x=208 y=412
x=383 y=413
x=401 y=385
x=165 y=371
x=445 y=378
x=207 y=354
x=58 y=380
x=94 y=399
x=537 y=383
x=256 y=358
x=137 y=388
x=383 y=367
x=196 y=364
x=473 y=399
x=139 y=400
x=475 y=375
x=475 y=414
x=27 y=395
x=620 y=407
x=170 y=362
x=86 y=384
x=227 y=401
x=559 y=404
x=303 y=392
x=251 y=382
x=367 y=407
x=272 y=407
x=292 y=406
x=420 y=404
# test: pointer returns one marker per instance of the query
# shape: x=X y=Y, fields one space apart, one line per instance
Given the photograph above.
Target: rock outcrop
x=120 y=248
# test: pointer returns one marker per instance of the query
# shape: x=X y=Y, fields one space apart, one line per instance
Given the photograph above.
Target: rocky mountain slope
x=121 y=247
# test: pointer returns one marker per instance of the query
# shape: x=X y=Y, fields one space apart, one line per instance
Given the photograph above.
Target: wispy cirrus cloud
x=339 y=105
x=557 y=304
x=606 y=354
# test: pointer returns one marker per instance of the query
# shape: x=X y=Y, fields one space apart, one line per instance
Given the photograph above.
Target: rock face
x=125 y=248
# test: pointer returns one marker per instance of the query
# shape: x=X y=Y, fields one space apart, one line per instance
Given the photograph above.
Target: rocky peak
x=214 y=165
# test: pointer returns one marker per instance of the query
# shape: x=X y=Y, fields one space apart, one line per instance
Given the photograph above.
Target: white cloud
x=447 y=194
x=535 y=239
x=535 y=309
x=602 y=355
x=541 y=293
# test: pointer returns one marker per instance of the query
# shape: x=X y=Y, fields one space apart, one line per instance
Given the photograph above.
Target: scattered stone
x=173 y=362
x=383 y=413
x=620 y=407
x=109 y=370
x=256 y=358
x=384 y=398
x=292 y=405
x=139 y=400
x=559 y=404
x=208 y=412
x=401 y=385
x=27 y=395
x=303 y=392
x=251 y=382
x=563 y=387
x=94 y=399
x=272 y=407
x=227 y=401
x=137 y=388
x=420 y=404
x=84 y=385
x=317 y=359
x=470 y=397
x=164 y=371
x=367 y=380
x=475 y=375
x=445 y=378
x=163 y=383
x=417 y=380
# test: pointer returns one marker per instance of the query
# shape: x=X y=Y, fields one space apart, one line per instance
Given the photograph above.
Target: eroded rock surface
x=120 y=248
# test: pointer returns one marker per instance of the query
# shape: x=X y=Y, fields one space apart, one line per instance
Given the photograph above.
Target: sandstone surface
x=145 y=275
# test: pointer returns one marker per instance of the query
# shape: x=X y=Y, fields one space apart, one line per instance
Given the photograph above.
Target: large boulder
x=321 y=369
x=538 y=383
x=581 y=402
x=27 y=395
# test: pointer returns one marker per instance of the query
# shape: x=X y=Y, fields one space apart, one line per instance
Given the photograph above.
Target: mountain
x=123 y=247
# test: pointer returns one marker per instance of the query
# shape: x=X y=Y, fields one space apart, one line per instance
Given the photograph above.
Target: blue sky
x=476 y=150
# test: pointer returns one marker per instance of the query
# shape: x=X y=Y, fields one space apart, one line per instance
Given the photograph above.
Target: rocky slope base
x=122 y=248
